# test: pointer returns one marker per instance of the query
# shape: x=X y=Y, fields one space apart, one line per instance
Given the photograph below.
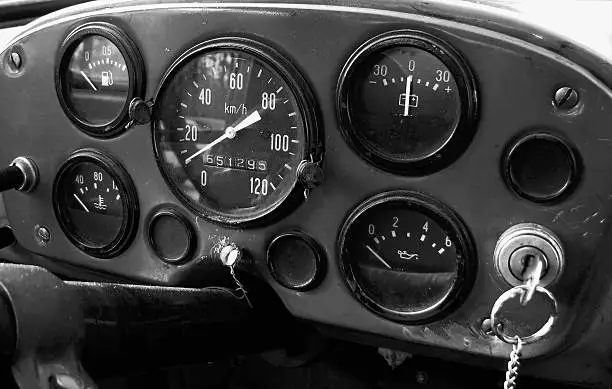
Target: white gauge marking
x=423 y=237
x=418 y=81
x=183 y=105
x=229 y=133
x=236 y=65
x=95 y=185
x=183 y=151
x=86 y=189
x=393 y=80
x=272 y=185
x=435 y=87
x=189 y=94
x=248 y=69
x=293 y=127
x=80 y=202
x=89 y=81
x=382 y=237
x=292 y=114
x=90 y=66
x=295 y=141
x=107 y=190
x=281 y=177
x=427 y=83
x=118 y=197
x=259 y=73
x=385 y=82
x=180 y=129
x=107 y=60
x=123 y=68
x=407 y=99
x=82 y=191
x=195 y=84
x=286 y=101
x=393 y=234
x=441 y=251
x=408 y=235
x=290 y=153
x=372 y=82
x=375 y=254
x=288 y=167
x=376 y=241
x=181 y=116
x=433 y=245
x=279 y=89
x=270 y=80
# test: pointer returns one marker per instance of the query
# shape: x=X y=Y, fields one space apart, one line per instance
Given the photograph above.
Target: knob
x=21 y=174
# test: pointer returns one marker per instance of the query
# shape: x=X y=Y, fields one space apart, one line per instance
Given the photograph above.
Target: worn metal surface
x=521 y=54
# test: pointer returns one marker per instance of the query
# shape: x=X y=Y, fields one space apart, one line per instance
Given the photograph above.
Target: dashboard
x=389 y=169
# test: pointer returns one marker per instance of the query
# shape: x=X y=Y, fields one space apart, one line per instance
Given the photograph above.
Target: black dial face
x=230 y=133
x=402 y=101
x=94 y=207
x=97 y=82
x=98 y=76
x=403 y=257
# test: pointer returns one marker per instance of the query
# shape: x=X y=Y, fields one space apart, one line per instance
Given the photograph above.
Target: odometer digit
x=231 y=128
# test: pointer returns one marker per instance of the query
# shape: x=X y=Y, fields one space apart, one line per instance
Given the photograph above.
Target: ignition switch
x=21 y=174
x=521 y=246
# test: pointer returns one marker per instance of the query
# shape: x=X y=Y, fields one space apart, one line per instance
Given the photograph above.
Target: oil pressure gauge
x=407 y=103
x=406 y=256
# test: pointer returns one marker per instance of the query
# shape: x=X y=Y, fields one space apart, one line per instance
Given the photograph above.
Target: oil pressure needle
x=80 y=202
x=89 y=81
x=377 y=256
x=408 y=91
x=230 y=133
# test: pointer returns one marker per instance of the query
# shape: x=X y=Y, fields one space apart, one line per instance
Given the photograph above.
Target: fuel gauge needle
x=89 y=81
x=80 y=202
x=378 y=256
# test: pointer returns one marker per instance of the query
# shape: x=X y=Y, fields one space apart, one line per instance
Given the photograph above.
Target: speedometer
x=234 y=125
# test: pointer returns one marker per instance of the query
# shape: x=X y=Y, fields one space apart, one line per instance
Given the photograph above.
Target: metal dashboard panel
x=515 y=76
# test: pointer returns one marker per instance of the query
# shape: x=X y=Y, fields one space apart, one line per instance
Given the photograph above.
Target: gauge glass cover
x=230 y=131
x=404 y=257
x=403 y=98
x=95 y=204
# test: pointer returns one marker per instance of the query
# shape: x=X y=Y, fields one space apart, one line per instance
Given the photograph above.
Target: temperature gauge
x=99 y=74
x=95 y=203
x=407 y=103
x=406 y=256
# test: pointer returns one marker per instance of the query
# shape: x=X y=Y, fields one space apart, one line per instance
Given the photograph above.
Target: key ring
x=509 y=295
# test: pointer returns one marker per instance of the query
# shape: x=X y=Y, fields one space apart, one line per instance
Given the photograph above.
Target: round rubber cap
x=541 y=167
x=171 y=236
x=295 y=261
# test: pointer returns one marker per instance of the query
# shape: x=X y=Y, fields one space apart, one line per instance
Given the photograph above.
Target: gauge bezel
x=127 y=191
x=133 y=62
x=449 y=221
x=306 y=102
x=463 y=132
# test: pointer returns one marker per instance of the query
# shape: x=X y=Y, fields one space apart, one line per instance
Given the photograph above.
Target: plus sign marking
x=448 y=89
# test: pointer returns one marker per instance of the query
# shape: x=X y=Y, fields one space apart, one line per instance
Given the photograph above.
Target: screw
x=16 y=61
x=566 y=98
x=486 y=328
x=422 y=378
x=42 y=235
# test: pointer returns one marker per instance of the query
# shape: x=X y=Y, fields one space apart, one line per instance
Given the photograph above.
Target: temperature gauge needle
x=408 y=91
x=80 y=202
x=230 y=133
x=370 y=249
x=89 y=81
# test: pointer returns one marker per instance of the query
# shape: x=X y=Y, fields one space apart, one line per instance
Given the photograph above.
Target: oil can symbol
x=107 y=78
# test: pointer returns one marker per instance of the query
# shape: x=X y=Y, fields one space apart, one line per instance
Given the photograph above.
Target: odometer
x=232 y=124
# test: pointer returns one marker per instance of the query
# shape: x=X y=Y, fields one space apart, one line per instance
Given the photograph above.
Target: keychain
x=524 y=292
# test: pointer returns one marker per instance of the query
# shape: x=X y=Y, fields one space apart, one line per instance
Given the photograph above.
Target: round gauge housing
x=233 y=124
x=406 y=256
x=407 y=103
x=100 y=71
x=95 y=203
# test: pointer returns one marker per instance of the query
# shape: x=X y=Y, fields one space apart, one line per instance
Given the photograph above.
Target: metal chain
x=513 y=365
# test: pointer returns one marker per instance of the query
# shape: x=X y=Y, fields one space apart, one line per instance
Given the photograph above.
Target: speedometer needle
x=230 y=133
x=370 y=249
x=89 y=81
x=408 y=90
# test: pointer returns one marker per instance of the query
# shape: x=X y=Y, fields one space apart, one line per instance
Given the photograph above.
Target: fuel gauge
x=100 y=73
x=95 y=203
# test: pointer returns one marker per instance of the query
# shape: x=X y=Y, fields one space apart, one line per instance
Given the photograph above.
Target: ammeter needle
x=408 y=91
x=378 y=256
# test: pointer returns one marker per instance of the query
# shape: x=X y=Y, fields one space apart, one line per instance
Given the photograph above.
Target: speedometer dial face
x=230 y=132
x=406 y=103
